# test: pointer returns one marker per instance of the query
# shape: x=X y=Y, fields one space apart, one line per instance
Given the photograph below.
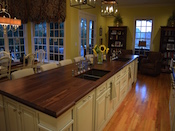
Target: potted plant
x=118 y=20
x=171 y=20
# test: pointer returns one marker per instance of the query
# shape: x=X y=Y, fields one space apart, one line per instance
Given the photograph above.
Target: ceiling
x=143 y=2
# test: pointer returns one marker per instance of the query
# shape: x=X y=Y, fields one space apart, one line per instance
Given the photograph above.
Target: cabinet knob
x=19 y=112
x=14 y=110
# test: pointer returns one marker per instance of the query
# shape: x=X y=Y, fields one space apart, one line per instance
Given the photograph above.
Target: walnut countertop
x=55 y=91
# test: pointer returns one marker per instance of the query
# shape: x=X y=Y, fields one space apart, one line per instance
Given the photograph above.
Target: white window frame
x=134 y=34
x=47 y=41
x=88 y=17
x=6 y=40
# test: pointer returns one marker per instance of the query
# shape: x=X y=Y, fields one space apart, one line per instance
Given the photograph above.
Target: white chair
x=49 y=66
x=22 y=73
x=40 y=56
x=89 y=56
x=78 y=58
x=4 y=53
x=28 y=61
x=65 y=62
x=5 y=67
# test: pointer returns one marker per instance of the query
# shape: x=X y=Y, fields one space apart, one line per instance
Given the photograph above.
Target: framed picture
x=100 y=31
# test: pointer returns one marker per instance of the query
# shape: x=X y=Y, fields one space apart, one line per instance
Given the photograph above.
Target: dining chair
x=78 y=58
x=28 y=61
x=4 y=53
x=89 y=56
x=5 y=67
x=22 y=73
x=65 y=62
x=40 y=56
x=48 y=66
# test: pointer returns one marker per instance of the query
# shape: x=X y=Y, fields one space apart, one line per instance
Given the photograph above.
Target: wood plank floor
x=145 y=108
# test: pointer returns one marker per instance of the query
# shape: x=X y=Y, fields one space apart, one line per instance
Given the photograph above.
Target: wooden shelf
x=117 y=38
x=167 y=46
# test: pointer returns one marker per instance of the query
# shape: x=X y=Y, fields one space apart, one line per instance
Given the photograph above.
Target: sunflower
x=102 y=48
x=107 y=50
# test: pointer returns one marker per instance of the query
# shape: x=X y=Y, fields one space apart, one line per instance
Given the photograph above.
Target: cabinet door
x=2 y=117
x=100 y=111
x=85 y=113
x=28 y=118
x=117 y=87
x=109 y=104
x=12 y=117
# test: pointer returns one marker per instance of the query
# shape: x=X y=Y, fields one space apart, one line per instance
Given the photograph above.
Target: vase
x=100 y=58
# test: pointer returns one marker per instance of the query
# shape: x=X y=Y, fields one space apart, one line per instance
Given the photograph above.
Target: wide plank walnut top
x=55 y=91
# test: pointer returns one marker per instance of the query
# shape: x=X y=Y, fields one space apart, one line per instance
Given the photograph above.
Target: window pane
x=138 y=23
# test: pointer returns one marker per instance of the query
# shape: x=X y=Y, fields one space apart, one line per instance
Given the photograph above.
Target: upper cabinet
x=117 y=38
x=167 y=46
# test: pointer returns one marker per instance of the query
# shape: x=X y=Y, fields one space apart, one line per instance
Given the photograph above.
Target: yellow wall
x=159 y=14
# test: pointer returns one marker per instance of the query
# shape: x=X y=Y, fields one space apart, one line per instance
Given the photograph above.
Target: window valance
x=38 y=10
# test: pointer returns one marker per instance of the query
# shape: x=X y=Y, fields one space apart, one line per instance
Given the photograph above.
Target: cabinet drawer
x=124 y=71
x=109 y=82
x=118 y=76
x=124 y=80
x=100 y=90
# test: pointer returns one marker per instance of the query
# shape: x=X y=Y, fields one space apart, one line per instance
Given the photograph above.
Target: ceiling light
x=83 y=4
x=5 y=19
x=109 y=8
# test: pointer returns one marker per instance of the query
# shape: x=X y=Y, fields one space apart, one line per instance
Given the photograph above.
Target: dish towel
x=113 y=91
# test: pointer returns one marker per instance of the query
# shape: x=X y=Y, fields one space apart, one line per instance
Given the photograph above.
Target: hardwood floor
x=145 y=108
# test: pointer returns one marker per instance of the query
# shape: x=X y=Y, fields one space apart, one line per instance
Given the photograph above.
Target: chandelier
x=83 y=4
x=109 y=8
x=6 y=21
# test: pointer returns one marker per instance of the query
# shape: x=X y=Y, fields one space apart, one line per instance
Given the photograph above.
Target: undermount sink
x=93 y=74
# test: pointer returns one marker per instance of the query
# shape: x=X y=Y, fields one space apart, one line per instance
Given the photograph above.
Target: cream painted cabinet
x=135 y=70
x=62 y=123
x=100 y=111
x=84 y=113
x=117 y=90
x=2 y=117
x=19 y=117
x=104 y=104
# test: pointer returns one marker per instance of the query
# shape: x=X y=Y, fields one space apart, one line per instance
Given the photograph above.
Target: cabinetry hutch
x=167 y=46
x=117 y=38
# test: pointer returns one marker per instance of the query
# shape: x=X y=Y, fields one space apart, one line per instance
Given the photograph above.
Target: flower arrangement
x=100 y=49
x=100 y=52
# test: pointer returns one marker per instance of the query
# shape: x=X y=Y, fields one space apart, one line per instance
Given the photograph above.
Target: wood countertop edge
x=71 y=104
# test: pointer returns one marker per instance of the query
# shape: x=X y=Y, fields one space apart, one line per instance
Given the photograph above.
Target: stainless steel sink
x=93 y=74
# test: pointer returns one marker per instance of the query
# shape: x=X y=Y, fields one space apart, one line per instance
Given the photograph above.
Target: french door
x=87 y=33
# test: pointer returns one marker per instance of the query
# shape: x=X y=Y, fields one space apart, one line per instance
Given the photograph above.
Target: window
x=2 y=45
x=16 y=43
x=50 y=37
x=143 y=32
x=87 y=33
x=13 y=42
x=40 y=37
x=56 y=41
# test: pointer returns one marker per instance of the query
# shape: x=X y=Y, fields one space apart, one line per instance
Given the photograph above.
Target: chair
x=4 y=53
x=22 y=73
x=40 y=56
x=49 y=66
x=152 y=64
x=78 y=58
x=65 y=62
x=89 y=56
x=5 y=67
x=28 y=61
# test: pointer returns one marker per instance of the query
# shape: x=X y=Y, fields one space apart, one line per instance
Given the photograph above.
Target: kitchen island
x=55 y=99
